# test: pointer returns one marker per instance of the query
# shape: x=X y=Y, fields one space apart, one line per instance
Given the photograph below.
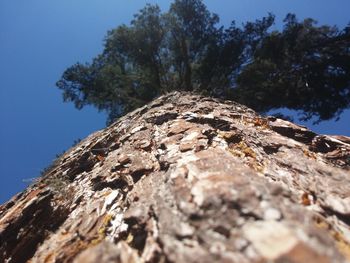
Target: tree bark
x=187 y=179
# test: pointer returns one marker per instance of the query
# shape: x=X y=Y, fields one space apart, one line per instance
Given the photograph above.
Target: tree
x=304 y=67
x=159 y=186
x=192 y=33
x=127 y=74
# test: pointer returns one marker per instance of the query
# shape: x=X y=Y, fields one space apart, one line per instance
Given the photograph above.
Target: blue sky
x=40 y=38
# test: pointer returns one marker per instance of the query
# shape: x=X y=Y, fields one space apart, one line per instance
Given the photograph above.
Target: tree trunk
x=187 y=65
x=187 y=179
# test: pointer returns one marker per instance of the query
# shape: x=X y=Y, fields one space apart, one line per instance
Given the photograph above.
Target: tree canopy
x=303 y=67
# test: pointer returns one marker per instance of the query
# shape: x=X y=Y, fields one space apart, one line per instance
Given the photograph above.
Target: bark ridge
x=188 y=178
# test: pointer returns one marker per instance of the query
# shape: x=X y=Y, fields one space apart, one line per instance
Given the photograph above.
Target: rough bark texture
x=188 y=179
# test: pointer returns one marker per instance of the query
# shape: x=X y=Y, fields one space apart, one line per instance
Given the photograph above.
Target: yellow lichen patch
x=95 y=241
x=102 y=231
x=309 y=154
x=230 y=136
x=241 y=149
x=255 y=121
x=236 y=153
x=342 y=244
x=130 y=238
x=105 y=223
x=245 y=149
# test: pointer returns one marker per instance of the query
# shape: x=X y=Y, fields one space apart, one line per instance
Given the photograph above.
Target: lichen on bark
x=188 y=178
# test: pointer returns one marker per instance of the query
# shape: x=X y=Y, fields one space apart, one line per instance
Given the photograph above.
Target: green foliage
x=304 y=67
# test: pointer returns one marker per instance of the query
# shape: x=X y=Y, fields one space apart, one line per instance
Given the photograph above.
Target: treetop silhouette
x=303 y=67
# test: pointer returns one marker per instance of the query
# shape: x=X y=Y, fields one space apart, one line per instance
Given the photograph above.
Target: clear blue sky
x=41 y=38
